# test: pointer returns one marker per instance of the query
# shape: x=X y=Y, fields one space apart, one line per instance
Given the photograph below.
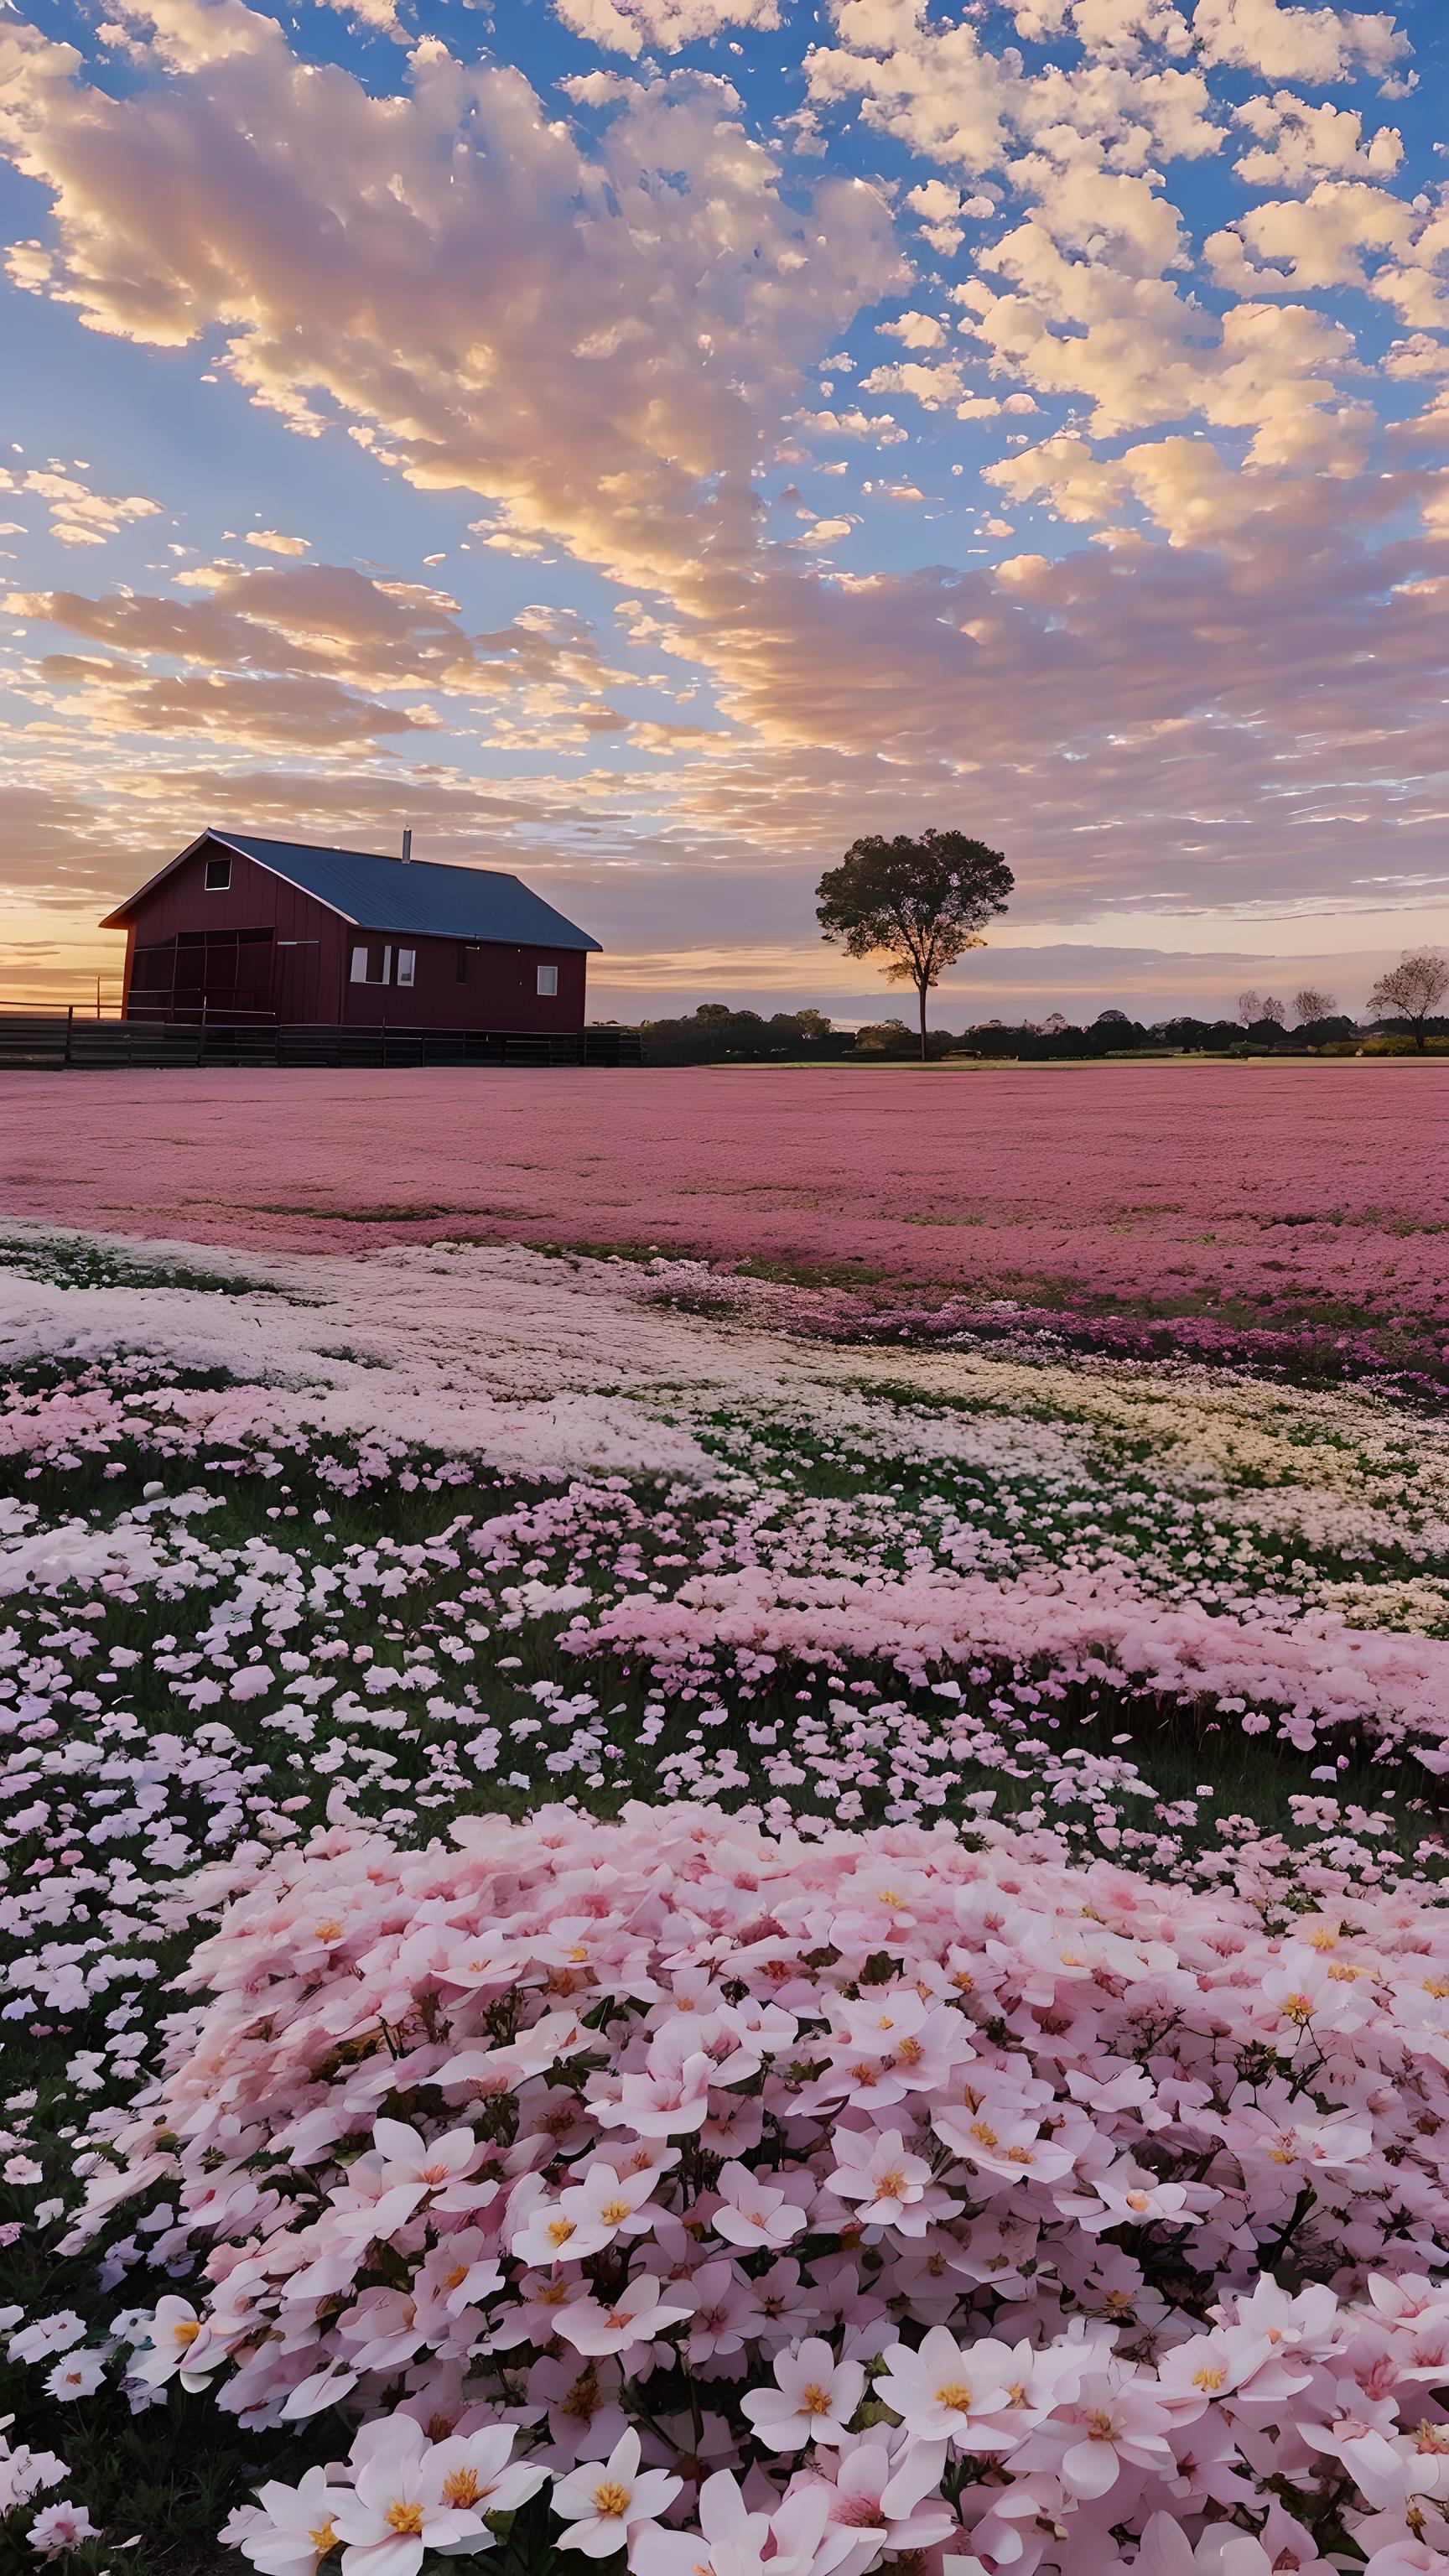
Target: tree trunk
x=921 y=991
x=1419 y=1036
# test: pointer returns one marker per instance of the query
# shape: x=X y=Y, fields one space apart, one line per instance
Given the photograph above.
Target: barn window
x=548 y=979
x=370 y=965
x=407 y=959
x=218 y=875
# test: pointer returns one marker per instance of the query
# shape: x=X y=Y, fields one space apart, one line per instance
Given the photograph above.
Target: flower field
x=1308 y=1199
x=664 y=1913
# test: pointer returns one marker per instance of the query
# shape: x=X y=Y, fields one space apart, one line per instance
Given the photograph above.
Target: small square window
x=359 y=966
x=407 y=959
x=548 y=979
x=218 y=875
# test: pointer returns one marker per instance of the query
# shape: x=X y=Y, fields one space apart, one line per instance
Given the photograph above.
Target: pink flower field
x=1296 y=1192
x=771 y=1908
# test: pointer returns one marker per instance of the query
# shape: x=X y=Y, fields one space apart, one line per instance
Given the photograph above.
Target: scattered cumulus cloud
x=1109 y=290
x=631 y=26
x=78 y=515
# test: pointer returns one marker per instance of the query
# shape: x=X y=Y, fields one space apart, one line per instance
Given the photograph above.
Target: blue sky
x=646 y=442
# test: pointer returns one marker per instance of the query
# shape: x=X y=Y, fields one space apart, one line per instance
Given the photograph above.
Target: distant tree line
x=919 y=904
x=715 y=1034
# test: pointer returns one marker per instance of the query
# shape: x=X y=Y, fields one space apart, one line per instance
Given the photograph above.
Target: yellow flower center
x=462 y=2487
x=186 y=2332
x=611 y=2499
x=327 y=1930
x=909 y=2053
x=891 y=2185
x=559 y=2230
x=956 y=2395
x=323 y=2538
x=1298 y=2008
x=458 y=2273
x=1210 y=2378
x=984 y=2134
x=1139 y=2200
x=406 y=2519
x=814 y=2400
x=614 y=2212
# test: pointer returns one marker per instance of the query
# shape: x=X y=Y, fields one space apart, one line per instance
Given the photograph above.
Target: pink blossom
x=609 y=2504
x=60 y=2526
x=813 y=2399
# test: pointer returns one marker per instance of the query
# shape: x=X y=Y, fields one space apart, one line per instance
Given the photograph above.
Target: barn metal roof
x=420 y=897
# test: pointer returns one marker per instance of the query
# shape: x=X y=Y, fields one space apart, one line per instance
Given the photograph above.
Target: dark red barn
x=288 y=931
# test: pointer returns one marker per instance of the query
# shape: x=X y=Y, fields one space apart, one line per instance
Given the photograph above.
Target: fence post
x=69 y=1057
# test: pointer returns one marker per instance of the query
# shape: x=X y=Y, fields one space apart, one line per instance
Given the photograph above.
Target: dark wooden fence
x=50 y=1043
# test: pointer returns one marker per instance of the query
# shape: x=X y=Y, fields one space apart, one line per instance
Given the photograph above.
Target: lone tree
x=918 y=903
x=1413 y=989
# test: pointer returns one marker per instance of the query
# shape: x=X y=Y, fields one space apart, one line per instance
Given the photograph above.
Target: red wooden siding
x=303 y=971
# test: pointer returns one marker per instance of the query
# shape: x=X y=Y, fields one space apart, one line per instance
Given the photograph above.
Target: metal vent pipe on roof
x=407 y=849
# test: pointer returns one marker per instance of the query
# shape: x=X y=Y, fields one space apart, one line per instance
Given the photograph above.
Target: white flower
x=47 y=2335
x=289 y=2528
x=587 y=2217
x=813 y=2400
x=730 y=2541
x=476 y=2474
x=605 y=2503
x=61 y=2526
x=398 y=2511
x=180 y=2346
x=749 y=2213
x=76 y=2375
x=635 y=2316
x=944 y=2394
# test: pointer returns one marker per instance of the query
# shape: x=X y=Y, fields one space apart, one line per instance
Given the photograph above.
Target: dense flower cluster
x=362 y=1546
x=823 y=2198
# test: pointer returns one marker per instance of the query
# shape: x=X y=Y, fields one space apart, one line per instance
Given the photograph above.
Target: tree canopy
x=918 y=903
x=1413 y=988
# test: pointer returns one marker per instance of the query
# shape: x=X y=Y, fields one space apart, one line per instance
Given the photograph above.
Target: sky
x=646 y=443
